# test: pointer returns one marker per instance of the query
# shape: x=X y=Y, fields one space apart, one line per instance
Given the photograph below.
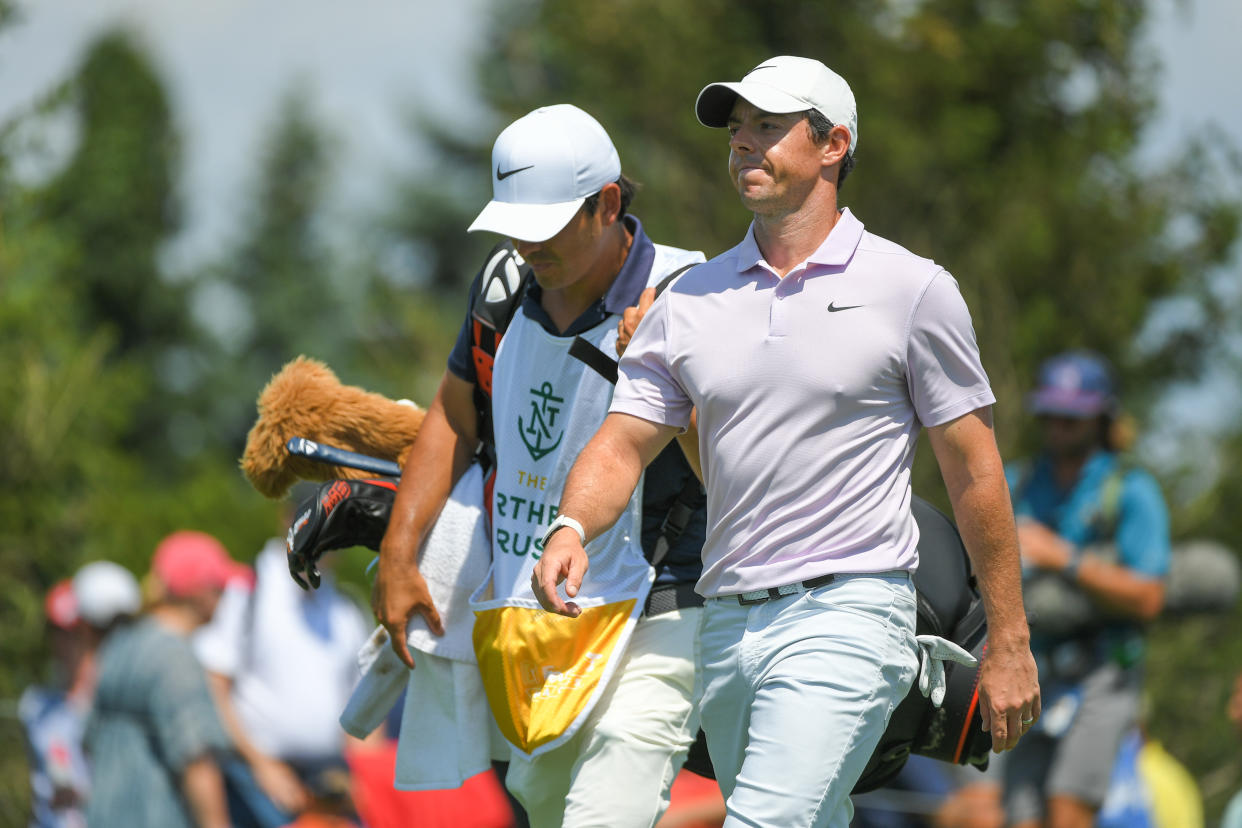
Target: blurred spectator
x=976 y=804
x=1173 y=795
x=1148 y=788
x=1233 y=811
x=975 y=801
x=154 y=734
x=78 y=614
x=107 y=594
x=1094 y=536
x=282 y=662
x=53 y=716
x=911 y=799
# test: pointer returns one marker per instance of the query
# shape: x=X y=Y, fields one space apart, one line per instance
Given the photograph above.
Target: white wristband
x=561 y=522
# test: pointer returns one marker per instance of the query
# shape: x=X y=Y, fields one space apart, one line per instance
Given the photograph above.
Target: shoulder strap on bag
x=595 y=359
x=672 y=277
x=499 y=289
x=689 y=500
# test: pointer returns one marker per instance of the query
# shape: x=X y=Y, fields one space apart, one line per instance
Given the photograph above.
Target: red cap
x=60 y=605
x=189 y=562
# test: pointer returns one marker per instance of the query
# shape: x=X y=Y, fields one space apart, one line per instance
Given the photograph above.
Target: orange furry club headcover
x=305 y=399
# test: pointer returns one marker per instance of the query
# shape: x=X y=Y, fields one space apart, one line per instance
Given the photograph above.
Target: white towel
x=447 y=732
x=454 y=560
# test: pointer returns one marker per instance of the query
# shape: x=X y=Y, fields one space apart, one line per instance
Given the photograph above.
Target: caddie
x=600 y=716
x=813 y=353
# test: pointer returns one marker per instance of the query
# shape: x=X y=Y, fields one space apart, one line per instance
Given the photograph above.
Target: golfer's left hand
x=563 y=561
x=1008 y=694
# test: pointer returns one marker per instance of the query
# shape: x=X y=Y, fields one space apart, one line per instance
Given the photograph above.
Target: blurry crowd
x=208 y=695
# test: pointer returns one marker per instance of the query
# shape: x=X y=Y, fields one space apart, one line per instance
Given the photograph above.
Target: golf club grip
x=341 y=457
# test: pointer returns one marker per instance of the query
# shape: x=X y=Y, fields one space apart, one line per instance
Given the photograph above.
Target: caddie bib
x=543 y=672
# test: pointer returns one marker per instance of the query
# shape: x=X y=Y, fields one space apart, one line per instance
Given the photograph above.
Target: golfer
x=814 y=352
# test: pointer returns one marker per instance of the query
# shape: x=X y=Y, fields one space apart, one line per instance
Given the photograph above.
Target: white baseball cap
x=544 y=165
x=780 y=85
x=105 y=590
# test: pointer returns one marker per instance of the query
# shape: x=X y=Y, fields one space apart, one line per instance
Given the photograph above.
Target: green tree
x=87 y=320
x=117 y=199
x=279 y=274
x=116 y=206
x=416 y=264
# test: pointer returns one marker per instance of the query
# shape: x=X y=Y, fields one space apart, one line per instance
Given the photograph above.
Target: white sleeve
x=943 y=369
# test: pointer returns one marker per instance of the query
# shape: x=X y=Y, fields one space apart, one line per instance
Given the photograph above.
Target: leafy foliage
x=116 y=198
x=87 y=322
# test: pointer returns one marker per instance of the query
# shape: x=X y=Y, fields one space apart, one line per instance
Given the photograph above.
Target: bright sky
x=369 y=63
x=1198 y=43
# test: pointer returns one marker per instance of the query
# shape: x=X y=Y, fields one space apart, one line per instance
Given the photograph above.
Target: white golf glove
x=934 y=651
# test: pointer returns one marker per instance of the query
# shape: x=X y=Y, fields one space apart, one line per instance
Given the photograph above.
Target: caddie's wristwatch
x=560 y=523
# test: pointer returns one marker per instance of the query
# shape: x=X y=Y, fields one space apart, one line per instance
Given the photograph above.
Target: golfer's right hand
x=398 y=594
x=563 y=561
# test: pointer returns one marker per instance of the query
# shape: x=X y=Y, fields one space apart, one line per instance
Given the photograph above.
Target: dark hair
x=629 y=188
x=820 y=126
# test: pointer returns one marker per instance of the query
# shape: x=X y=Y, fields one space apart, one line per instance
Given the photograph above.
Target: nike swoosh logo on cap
x=764 y=66
x=501 y=176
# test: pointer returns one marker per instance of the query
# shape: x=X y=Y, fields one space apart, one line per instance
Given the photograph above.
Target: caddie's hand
x=1008 y=694
x=398 y=594
x=563 y=561
x=631 y=317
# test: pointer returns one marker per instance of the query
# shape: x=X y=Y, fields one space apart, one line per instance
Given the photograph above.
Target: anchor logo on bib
x=537 y=432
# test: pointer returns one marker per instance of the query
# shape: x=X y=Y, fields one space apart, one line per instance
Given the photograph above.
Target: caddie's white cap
x=544 y=165
x=780 y=85
x=105 y=590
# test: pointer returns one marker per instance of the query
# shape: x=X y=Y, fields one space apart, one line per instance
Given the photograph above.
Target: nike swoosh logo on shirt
x=832 y=308
x=501 y=176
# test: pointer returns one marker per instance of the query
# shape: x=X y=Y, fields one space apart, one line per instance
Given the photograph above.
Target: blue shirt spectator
x=1140 y=523
x=1094 y=538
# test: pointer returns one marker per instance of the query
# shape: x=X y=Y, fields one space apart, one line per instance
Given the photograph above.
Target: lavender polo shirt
x=811 y=391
